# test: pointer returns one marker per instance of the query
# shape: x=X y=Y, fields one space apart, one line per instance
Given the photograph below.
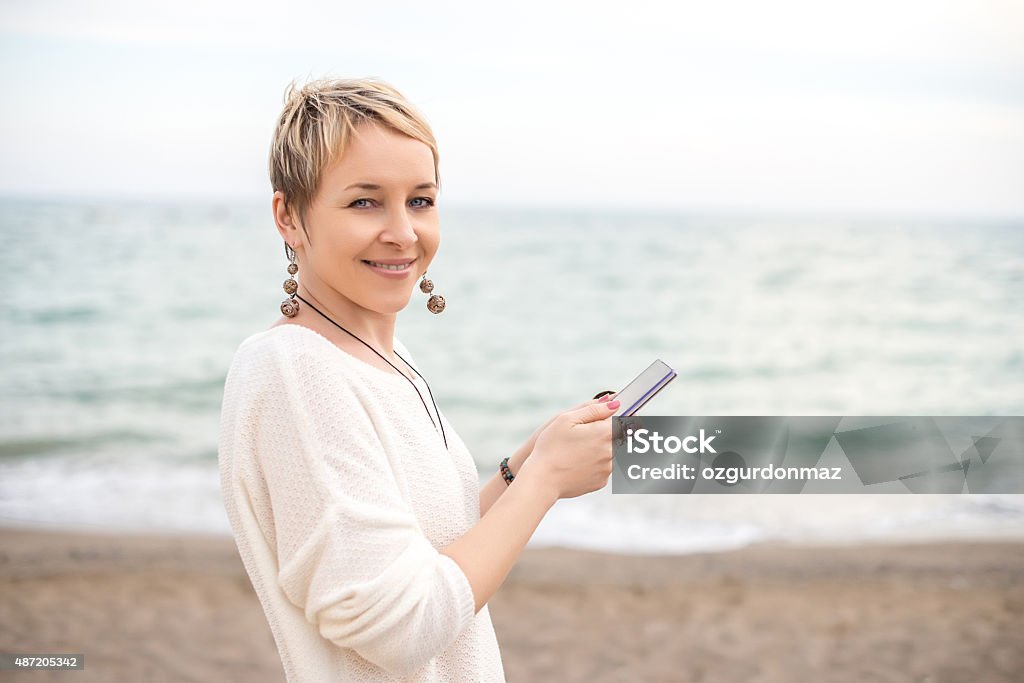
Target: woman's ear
x=287 y=225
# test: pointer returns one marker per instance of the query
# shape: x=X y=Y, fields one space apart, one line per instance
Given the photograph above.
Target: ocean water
x=121 y=320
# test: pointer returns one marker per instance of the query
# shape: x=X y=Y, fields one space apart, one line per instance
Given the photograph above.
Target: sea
x=121 y=319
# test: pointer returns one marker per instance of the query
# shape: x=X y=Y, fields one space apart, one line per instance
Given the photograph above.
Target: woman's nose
x=400 y=228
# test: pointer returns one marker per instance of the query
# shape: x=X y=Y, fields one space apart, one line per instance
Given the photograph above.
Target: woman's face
x=376 y=203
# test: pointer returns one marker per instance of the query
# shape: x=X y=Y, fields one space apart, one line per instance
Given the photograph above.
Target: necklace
x=436 y=425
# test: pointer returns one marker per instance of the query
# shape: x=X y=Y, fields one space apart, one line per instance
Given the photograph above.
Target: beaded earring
x=290 y=306
x=435 y=304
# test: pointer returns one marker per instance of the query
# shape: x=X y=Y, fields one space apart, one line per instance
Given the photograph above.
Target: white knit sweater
x=340 y=492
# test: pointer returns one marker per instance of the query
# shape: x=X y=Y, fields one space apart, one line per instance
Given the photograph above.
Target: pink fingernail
x=612 y=405
x=605 y=398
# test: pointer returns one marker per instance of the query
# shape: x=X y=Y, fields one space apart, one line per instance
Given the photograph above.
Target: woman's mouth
x=396 y=266
x=391 y=270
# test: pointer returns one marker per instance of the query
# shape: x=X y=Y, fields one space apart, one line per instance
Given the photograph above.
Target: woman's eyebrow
x=374 y=186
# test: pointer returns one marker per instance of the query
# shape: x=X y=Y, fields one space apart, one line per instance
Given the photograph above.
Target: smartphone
x=643 y=388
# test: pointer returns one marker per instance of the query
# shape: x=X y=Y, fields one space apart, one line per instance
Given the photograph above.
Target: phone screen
x=642 y=389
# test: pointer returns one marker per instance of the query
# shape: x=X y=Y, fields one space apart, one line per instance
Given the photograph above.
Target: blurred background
x=805 y=208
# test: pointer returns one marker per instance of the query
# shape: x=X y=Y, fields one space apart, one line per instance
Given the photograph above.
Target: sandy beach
x=180 y=608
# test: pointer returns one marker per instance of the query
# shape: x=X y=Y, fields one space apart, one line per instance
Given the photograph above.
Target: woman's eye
x=424 y=202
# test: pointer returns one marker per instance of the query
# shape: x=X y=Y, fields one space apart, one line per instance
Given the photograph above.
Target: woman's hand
x=573 y=454
x=524 y=451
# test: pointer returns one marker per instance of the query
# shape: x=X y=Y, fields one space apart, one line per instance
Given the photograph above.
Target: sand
x=180 y=608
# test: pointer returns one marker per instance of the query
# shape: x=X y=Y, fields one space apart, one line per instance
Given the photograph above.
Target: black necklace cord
x=396 y=370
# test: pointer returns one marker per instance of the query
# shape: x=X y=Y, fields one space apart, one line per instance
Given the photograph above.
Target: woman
x=355 y=505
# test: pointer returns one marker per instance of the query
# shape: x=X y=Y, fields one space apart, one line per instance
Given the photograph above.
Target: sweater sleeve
x=351 y=553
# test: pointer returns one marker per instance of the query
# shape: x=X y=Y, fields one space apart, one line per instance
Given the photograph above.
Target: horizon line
x=679 y=210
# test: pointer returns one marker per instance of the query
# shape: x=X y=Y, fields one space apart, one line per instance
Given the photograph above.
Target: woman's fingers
x=594 y=411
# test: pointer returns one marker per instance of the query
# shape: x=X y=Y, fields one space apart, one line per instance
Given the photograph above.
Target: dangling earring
x=290 y=306
x=435 y=304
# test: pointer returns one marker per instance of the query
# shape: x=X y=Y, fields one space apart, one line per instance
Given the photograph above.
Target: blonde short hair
x=317 y=122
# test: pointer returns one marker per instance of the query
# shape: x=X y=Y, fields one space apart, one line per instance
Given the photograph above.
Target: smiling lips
x=391 y=268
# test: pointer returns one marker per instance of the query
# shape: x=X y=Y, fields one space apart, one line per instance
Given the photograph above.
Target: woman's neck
x=376 y=329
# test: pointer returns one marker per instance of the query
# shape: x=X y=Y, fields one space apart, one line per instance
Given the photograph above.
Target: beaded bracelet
x=506 y=473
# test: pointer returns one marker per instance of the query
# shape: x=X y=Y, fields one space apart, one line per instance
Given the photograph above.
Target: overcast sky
x=891 y=107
